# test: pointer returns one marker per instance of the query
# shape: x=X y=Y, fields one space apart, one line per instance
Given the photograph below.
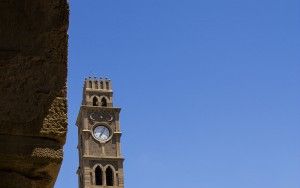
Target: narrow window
x=90 y=84
x=80 y=177
x=95 y=101
x=101 y=85
x=96 y=84
x=117 y=179
x=98 y=176
x=81 y=180
x=107 y=85
x=103 y=102
x=109 y=177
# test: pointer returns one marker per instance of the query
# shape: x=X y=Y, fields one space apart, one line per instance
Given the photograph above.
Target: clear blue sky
x=209 y=90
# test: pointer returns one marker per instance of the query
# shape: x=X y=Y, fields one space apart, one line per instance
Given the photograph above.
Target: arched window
x=95 y=101
x=90 y=84
x=109 y=176
x=96 y=84
x=103 y=102
x=98 y=176
x=101 y=85
x=107 y=85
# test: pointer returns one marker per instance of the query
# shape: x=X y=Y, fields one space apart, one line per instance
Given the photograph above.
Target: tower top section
x=97 y=92
x=97 y=84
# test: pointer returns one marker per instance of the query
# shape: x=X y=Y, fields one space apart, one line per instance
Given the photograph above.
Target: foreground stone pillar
x=33 y=70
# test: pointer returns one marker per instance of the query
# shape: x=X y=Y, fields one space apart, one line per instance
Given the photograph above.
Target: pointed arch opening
x=101 y=85
x=107 y=85
x=103 y=102
x=96 y=84
x=98 y=176
x=95 y=101
x=109 y=176
x=90 y=84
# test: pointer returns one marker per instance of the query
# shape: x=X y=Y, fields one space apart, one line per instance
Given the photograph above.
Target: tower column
x=87 y=177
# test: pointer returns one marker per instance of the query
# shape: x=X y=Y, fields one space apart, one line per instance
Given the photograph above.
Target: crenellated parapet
x=97 y=92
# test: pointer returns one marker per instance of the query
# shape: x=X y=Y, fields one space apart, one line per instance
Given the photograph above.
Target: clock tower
x=100 y=158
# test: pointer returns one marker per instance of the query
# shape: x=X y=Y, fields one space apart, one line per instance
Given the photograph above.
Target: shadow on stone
x=33 y=105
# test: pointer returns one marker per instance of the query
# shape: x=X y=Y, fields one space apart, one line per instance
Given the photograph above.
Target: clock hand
x=102 y=131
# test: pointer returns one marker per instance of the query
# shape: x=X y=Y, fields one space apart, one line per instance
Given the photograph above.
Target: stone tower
x=100 y=159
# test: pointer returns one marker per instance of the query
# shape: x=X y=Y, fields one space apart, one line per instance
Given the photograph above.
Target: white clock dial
x=101 y=133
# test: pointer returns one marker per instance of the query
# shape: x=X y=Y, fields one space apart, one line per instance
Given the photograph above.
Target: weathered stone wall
x=33 y=70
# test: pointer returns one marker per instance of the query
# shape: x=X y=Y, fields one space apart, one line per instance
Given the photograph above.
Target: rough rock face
x=33 y=70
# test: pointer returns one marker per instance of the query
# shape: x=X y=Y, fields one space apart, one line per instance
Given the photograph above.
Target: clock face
x=101 y=133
